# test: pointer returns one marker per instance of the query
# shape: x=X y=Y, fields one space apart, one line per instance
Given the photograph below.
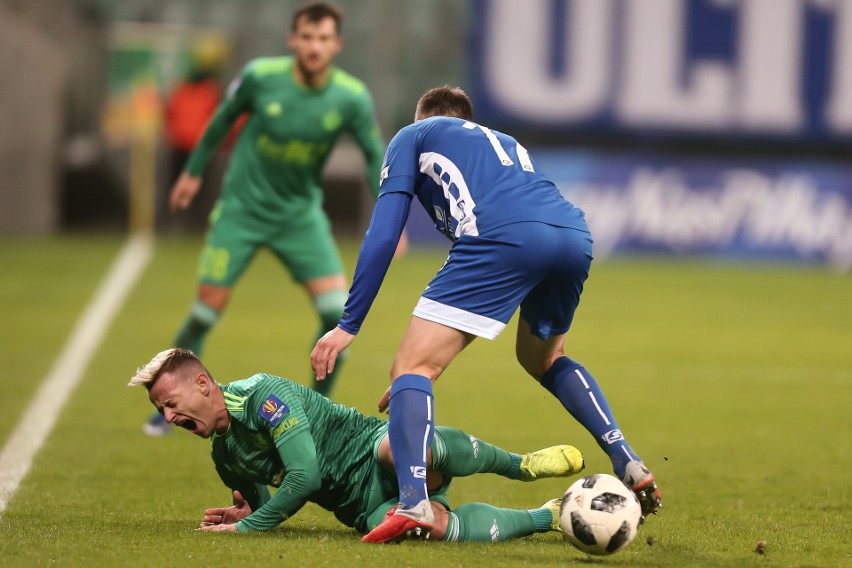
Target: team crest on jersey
x=331 y=120
x=273 y=109
x=273 y=410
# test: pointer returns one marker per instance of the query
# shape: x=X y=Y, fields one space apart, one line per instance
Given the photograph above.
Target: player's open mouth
x=188 y=424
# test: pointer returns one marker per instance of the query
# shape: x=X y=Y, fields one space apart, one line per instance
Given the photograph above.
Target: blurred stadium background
x=681 y=126
x=708 y=141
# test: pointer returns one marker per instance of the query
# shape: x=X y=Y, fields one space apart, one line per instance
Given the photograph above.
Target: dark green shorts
x=305 y=245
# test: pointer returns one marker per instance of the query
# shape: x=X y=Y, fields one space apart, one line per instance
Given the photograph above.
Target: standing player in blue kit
x=516 y=242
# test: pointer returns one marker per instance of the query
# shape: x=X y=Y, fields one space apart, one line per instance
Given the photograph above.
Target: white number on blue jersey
x=523 y=155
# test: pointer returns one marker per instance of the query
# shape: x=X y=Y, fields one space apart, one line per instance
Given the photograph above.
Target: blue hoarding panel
x=766 y=69
x=735 y=208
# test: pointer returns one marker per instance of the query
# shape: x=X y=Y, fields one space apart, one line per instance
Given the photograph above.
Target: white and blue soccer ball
x=600 y=515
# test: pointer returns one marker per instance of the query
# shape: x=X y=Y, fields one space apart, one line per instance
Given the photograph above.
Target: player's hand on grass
x=227 y=515
x=218 y=528
x=330 y=345
x=183 y=191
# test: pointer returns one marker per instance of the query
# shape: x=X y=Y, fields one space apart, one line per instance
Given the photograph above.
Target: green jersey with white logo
x=288 y=436
x=276 y=167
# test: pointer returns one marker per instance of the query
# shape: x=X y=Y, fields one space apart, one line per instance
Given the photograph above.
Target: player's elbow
x=313 y=483
x=307 y=481
x=383 y=240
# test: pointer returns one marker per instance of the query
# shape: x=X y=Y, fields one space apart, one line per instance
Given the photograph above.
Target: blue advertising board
x=766 y=69
x=737 y=208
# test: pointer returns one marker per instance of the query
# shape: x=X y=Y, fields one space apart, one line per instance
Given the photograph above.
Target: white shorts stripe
x=459 y=319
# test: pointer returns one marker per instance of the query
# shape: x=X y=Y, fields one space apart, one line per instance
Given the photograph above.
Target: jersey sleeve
x=365 y=130
x=236 y=101
x=401 y=166
x=301 y=480
x=386 y=224
x=277 y=409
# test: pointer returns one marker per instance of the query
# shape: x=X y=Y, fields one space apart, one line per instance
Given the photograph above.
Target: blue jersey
x=471 y=179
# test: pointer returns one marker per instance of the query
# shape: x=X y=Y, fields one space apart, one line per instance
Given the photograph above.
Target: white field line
x=46 y=405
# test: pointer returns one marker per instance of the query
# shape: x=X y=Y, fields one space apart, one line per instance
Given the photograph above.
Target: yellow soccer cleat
x=555 y=508
x=555 y=461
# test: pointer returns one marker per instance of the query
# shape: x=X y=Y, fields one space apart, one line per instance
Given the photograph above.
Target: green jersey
x=290 y=437
x=276 y=166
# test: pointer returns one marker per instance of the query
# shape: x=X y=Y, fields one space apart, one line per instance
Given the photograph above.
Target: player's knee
x=215 y=297
x=536 y=362
x=442 y=519
x=531 y=364
x=537 y=366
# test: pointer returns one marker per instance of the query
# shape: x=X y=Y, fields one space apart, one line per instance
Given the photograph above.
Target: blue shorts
x=539 y=267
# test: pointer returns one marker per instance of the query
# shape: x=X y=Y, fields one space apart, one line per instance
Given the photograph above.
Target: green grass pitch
x=733 y=381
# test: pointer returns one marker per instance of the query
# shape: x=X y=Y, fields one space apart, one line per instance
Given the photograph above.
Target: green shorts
x=305 y=245
x=384 y=491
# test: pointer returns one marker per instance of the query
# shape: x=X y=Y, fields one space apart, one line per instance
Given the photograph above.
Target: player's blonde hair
x=164 y=361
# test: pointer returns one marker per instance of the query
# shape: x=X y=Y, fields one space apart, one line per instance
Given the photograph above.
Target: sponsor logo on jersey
x=384 y=175
x=284 y=426
x=331 y=120
x=612 y=436
x=273 y=410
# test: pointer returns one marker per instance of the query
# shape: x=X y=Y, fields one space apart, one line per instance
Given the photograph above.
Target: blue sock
x=411 y=429
x=579 y=393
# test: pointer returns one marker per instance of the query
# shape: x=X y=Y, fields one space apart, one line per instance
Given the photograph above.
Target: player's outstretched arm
x=302 y=480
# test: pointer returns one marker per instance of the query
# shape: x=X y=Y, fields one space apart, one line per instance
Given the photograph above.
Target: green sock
x=458 y=454
x=481 y=522
x=198 y=323
x=542 y=519
x=329 y=306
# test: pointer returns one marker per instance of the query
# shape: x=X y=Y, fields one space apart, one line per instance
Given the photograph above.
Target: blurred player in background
x=298 y=107
x=267 y=430
x=516 y=242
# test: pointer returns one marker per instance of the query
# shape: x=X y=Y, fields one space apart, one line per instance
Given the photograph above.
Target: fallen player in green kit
x=269 y=431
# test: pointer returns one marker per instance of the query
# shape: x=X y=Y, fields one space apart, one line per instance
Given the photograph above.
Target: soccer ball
x=600 y=515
